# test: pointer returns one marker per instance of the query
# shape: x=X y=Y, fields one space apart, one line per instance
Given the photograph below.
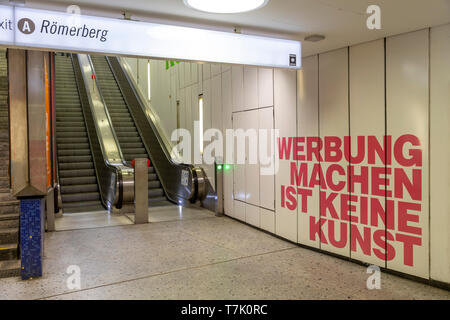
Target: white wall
x=440 y=153
x=389 y=87
x=411 y=97
x=234 y=97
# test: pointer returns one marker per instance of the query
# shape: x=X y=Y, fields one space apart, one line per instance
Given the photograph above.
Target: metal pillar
x=141 y=191
x=29 y=174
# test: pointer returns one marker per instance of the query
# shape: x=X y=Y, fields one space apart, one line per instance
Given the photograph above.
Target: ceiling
x=343 y=22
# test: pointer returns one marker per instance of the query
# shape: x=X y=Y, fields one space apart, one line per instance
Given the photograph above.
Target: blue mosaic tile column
x=31 y=236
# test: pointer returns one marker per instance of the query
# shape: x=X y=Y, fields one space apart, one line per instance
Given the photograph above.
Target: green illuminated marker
x=219 y=167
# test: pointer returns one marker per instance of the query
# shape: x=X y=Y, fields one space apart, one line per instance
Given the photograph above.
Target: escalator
x=77 y=177
x=129 y=138
x=182 y=183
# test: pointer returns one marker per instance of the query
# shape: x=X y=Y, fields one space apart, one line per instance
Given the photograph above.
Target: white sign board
x=25 y=27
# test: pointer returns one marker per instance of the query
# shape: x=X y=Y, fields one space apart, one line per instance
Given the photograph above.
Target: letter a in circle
x=26 y=26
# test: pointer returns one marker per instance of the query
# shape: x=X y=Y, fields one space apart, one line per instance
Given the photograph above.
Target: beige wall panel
x=367 y=118
x=194 y=104
x=207 y=123
x=265 y=87
x=226 y=67
x=187 y=74
x=285 y=107
x=194 y=72
x=237 y=82
x=267 y=182
x=239 y=210
x=188 y=109
x=216 y=99
x=308 y=126
x=440 y=154
x=250 y=88
x=216 y=69
x=206 y=71
x=207 y=104
x=251 y=121
x=333 y=121
x=181 y=71
x=267 y=220
x=238 y=169
x=407 y=62
x=227 y=124
x=252 y=215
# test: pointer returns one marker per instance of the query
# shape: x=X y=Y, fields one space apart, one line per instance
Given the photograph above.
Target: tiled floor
x=191 y=254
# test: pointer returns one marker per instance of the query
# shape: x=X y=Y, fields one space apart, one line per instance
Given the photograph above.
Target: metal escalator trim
x=105 y=132
x=120 y=199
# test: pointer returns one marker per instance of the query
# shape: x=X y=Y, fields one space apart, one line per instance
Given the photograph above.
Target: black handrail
x=169 y=172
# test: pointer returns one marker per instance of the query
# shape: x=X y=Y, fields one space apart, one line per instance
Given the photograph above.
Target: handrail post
x=141 y=190
x=219 y=168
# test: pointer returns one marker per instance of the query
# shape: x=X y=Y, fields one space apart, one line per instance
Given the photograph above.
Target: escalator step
x=134 y=156
x=157 y=192
x=78 y=180
x=77 y=173
x=153 y=201
x=134 y=146
x=65 y=118
x=76 y=165
x=128 y=134
x=72 y=140
x=123 y=124
x=79 y=188
x=154 y=184
x=77 y=197
x=86 y=152
x=129 y=140
x=65 y=159
x=134 y=151
x=64 y=146
x=83 y=204
x=125 y=129
x=74 y=129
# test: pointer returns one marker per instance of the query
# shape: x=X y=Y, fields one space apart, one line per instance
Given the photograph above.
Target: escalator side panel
x=170 y=173
x=107 y=175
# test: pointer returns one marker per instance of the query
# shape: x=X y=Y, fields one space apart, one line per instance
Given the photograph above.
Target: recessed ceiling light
x=315 y=38
x=225 y=6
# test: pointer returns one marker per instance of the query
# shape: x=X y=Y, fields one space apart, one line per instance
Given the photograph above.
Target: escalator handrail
x=163 y=141
x=171 y=177
x=151 y=115
x=107 y=175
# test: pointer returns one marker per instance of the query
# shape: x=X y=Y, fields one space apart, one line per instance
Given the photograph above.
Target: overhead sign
x=24 y=27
